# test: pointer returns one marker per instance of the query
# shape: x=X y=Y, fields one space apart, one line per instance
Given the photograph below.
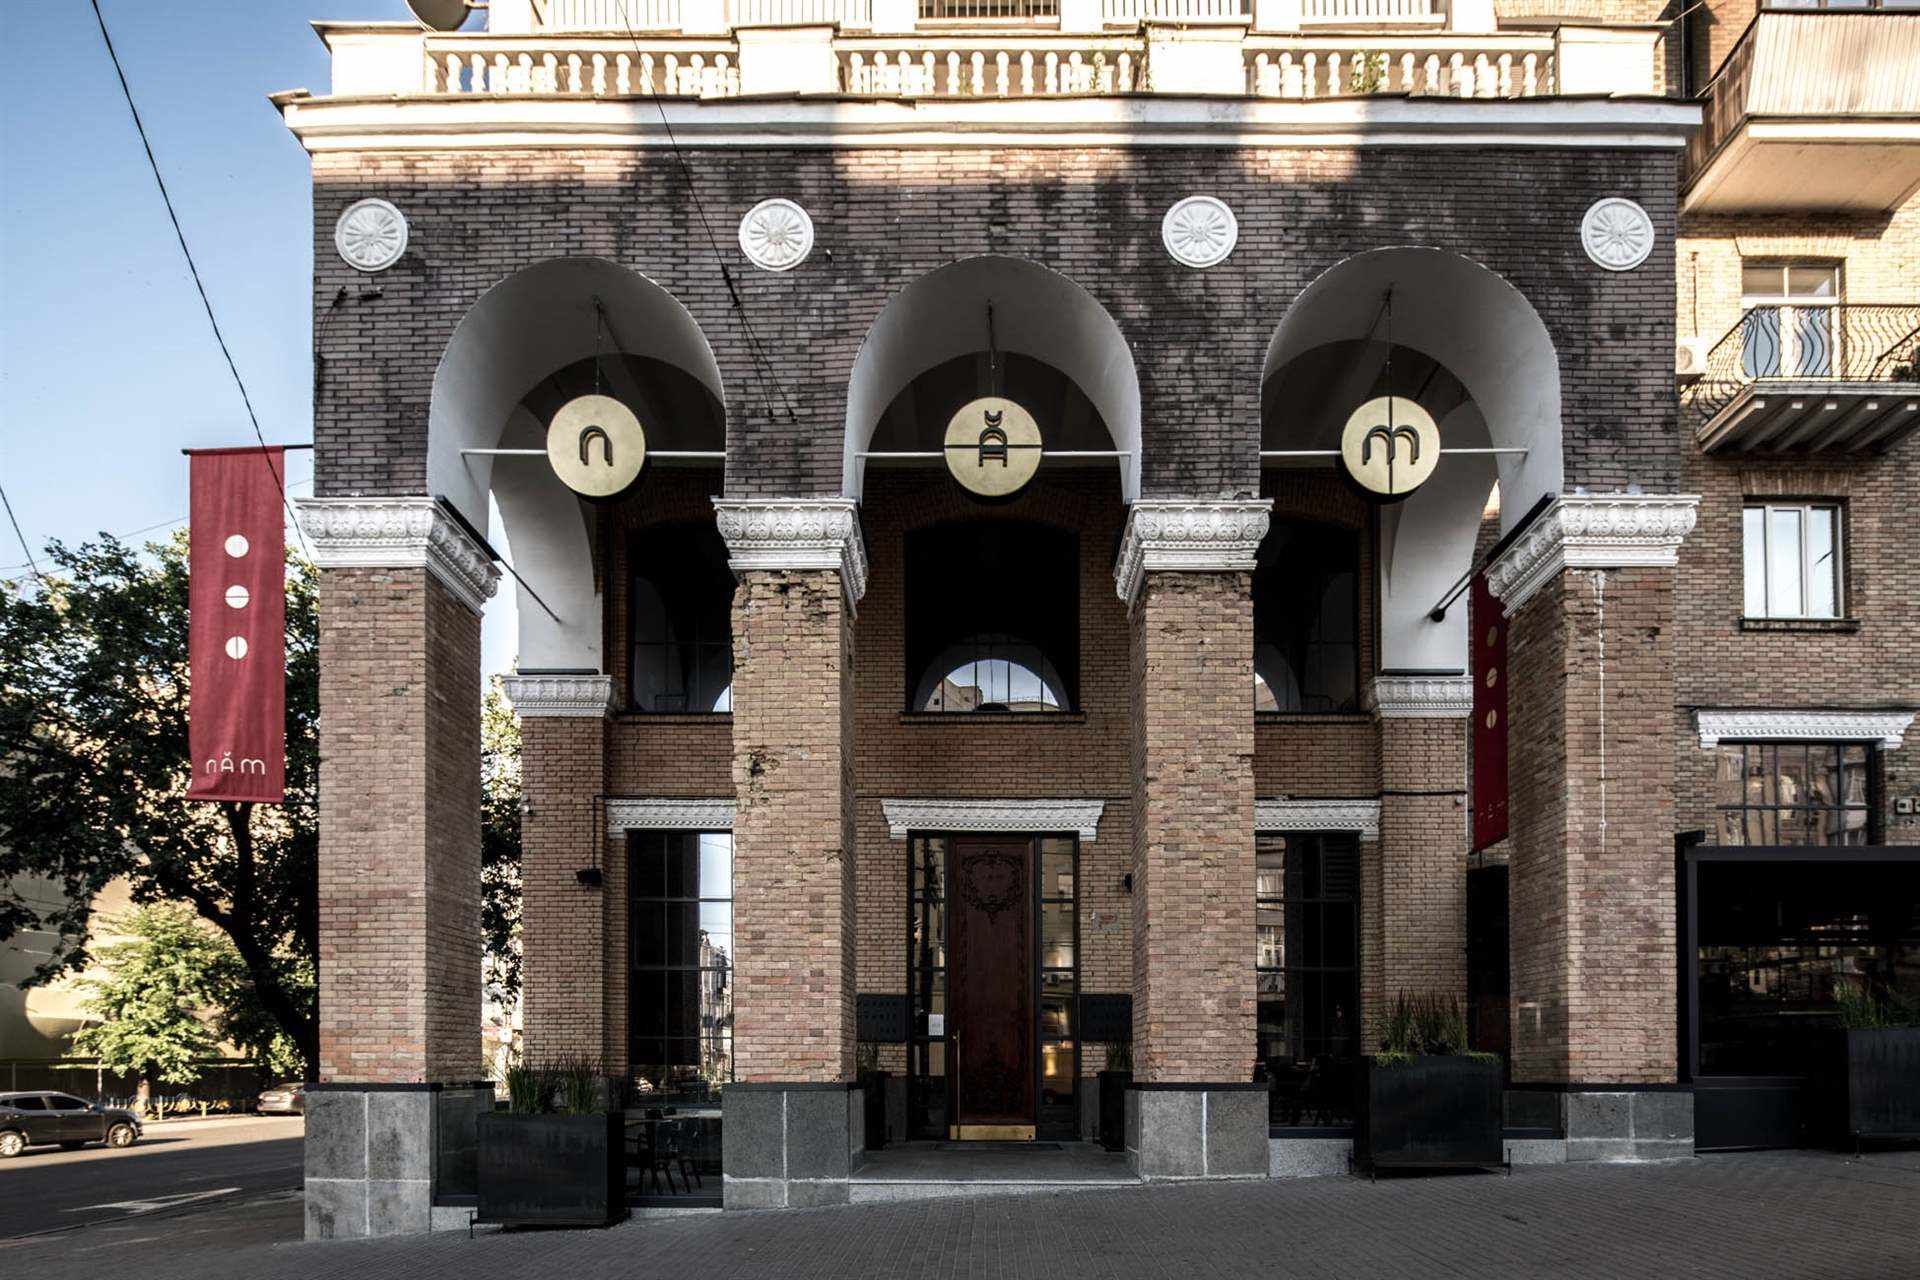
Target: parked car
x=288 y=1099
x=47 y=1119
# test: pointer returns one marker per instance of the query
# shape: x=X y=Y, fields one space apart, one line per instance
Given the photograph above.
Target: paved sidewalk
x=1747 y=1217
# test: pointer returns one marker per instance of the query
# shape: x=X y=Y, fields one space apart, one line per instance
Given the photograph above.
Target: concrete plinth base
x=1638 y=1124
x=790 y=1146
x=377 y=1156
x=1182 y=1131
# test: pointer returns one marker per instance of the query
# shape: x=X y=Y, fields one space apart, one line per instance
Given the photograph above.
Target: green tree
x=500 y=842
x=152 y=1001
x=93 y=736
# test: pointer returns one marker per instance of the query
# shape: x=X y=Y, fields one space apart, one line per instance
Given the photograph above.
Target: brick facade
x=400 y=880
x=1193 y=982
x=793 y=872
x=1414 y=889
x=1592 y=907
x=567 y=1003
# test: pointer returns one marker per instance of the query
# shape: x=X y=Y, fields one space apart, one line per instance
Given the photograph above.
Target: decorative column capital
x=580 y=695
x=796 y=533
x=1191 y=536
x=1592 y=531
x=399 y=533
x=1420 y=696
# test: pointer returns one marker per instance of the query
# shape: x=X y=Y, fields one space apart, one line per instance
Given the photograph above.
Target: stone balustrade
x=1214 y=59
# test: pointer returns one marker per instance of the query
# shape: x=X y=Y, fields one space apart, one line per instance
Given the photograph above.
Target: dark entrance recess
x=1488 y=974
x=992 y=980
x=1767 y=936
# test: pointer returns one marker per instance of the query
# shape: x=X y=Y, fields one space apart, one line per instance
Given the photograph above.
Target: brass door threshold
x=991 y=1132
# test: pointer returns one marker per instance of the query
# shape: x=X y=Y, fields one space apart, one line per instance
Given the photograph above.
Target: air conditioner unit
x=1689 y=357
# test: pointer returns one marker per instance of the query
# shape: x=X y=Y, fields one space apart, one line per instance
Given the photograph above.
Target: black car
x=47 y=1119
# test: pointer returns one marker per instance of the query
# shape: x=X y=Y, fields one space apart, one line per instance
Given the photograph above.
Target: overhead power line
x=24 y=545
x=193 y=269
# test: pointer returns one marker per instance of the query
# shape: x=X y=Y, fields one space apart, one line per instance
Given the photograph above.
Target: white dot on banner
x=237 y=596
x=237 y=647
x=237 y=545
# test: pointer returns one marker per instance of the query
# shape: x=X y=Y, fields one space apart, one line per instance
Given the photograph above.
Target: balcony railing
x=1446 y=66
x=1817 y=353
x=976 y=10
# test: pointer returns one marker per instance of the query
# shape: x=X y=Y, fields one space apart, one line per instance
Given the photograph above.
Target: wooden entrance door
x=990 y=995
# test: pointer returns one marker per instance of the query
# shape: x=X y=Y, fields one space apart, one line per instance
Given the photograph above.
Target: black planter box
x=1428 y=1113
x=552 y=1171
x=1113 y=1109
x=1880 y=1083
x=875 y=1084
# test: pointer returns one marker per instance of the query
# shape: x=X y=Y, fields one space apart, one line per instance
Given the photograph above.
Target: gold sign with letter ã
x=597 y=446
x=993 y=447
x=1390 y=447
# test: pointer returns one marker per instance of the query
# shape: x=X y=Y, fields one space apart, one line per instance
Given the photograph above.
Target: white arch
x=537 y=321
x=1037 y=312
x=1487 y=335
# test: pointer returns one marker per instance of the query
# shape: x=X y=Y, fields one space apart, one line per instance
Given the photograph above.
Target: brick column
x=401 y=589
x=1589 y=587
x=1185 y=570
x=1414 y=884
x=793 y=1122
x=564 y=929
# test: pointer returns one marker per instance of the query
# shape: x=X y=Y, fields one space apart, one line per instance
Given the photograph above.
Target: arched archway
x=525 y=332
x=1037 y=313
x=1473 y=333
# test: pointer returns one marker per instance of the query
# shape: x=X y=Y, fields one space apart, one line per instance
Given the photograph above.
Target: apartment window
x=680 y=931
x=1306 y=900
x=1793 y=793
x=1792 y=554
x=1788 y=327
x=1306 y=619
x=681 y=657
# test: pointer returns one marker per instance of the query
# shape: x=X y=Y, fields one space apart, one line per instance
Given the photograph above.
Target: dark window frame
x=1357 y=535
x=1285 y=1109
x=1769 y=751
x=699 y=648
x=638 y=1035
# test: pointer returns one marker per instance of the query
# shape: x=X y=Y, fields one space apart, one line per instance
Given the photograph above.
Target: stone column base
x=790 y=1146
x=1631 y=1124
x=380 y=1156
x=1197 y=1130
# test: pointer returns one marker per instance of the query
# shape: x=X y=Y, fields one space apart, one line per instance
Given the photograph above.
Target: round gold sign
x=1390 y=446
x=993 y=447
x=596 y=446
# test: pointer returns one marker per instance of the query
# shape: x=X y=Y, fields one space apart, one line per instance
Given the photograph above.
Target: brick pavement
x=1745 y=1217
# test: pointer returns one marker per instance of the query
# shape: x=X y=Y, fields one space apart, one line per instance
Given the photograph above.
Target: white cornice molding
x=1283 y=814
x=1193 y=536
x=582 y=696
x=1082 y=816
x=489 y=123
x=398 y=533
x=1421 y=697
x=1592 y=531
x=796 y=533
x=672 y=814
x=1888 y=728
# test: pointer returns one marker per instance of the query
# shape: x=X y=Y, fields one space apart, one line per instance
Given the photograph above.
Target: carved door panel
x=990 y=915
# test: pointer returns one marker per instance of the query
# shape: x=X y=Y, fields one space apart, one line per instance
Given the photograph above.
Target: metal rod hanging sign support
x=453 y=513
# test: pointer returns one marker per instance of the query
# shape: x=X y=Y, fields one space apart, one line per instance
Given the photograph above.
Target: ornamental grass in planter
x=1424 y=1101
x=556 y=1156
x=1877 y=1092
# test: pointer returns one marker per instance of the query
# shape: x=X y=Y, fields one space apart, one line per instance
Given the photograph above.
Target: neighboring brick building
x=830 y=762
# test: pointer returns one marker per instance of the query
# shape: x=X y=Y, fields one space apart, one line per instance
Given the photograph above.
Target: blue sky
x=107 y=366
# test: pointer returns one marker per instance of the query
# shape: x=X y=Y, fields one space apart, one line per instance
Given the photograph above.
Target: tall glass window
x=1793 y=793
x=927 y=986
x=681 y=620
x=1306 y=916
x=1791 y=553
x=1306 y=619
x=992 y=617
x=680 y=988
x=1059 y=980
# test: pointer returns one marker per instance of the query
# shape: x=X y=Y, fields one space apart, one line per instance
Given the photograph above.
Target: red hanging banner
x=1488 y=640
x=237 y=638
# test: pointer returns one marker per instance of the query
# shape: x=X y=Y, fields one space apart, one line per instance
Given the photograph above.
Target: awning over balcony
x=1812 y=110
x=1811 y=379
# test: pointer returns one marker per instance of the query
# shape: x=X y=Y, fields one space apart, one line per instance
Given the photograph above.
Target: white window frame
x=1802 y=612
x=1790 y=305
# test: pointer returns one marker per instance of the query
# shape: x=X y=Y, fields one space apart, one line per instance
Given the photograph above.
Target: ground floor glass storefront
x=1307 y=909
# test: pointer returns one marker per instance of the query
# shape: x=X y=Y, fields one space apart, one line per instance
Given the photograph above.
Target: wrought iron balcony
x=1793 y=379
